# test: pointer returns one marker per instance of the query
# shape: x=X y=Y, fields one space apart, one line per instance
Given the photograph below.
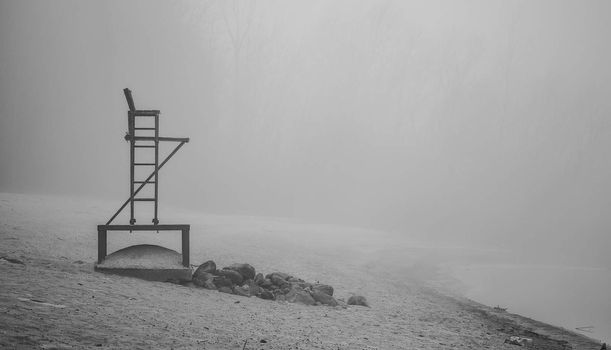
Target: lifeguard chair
x=143 y=135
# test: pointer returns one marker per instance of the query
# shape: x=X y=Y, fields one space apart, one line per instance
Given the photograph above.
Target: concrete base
x=145 y=261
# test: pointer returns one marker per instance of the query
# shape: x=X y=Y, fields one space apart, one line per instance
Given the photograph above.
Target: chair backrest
x=130 y=100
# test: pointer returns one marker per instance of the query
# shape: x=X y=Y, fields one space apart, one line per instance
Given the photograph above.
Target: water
x=569 y=297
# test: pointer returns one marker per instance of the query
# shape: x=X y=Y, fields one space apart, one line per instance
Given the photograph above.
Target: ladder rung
x=144 y=146
x=151 y=164
x=144 y=182
x=144 y=199
x=144 y=138
x=145 y=129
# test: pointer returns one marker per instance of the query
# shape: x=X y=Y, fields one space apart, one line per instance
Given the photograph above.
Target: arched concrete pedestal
x=146 y=261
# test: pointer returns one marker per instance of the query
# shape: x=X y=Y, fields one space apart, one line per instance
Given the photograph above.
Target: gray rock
x=246 y=270
x=253 y=287
x=267 y=283
x=222 y=281
x=304 y=285
x=278 y=279
x=325 y=288
x=203 y=279
x=284 y=276
x=209 y=267
x=209 y=284
x=358 y=300
x=203 y=273
x=324 y=298
x=233 y=275
x=241 y=291
x=259 y=278
x=298 y=295
x=266 y=294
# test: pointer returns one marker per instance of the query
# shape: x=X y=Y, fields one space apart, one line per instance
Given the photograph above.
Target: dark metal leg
x=185 y=247
x=132 y=154
x=155 y=219
x=101 y=244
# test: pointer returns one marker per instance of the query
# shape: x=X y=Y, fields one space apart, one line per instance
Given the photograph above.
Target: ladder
x=146 y=137
x=139 y=137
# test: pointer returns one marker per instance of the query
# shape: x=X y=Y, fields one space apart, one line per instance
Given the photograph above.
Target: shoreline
x=507 y=284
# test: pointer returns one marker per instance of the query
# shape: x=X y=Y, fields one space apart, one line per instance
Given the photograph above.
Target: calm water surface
x=569 y=297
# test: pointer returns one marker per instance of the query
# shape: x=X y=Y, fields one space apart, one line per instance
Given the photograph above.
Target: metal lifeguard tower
x=143 y=135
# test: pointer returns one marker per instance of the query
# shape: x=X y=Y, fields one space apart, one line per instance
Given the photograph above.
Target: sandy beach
x=51 y=298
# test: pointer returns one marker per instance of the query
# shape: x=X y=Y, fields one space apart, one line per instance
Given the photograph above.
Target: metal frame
x=139 y=141
x=103 y=237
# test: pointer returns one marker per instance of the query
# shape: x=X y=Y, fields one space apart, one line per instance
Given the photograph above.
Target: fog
x=464 y=123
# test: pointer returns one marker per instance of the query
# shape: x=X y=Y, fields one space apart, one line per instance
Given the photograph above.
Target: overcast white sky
x=461 y=121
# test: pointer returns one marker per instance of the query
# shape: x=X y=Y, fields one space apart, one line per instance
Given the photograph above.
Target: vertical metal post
x=132 y=124
x=101 y=244
x=155 y=219
x=185 y=246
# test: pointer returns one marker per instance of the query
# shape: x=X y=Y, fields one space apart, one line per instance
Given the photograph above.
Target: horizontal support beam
x=145 y=113
x=164 y=227
x=160 y=138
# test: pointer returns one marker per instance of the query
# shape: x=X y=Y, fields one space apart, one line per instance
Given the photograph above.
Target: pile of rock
x=242 y=279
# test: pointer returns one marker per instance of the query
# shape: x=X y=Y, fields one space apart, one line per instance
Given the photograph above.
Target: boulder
x=246 y=270
x=304 y=285
x=252 y=287
x=284 y=276
x=233 y=275
x=341 y=303
x=358 y=300
x=209 y=284
x=324 y=298
x=266 y=294
x=241 y=291
x=259 y=278
x=267 y=283
x=242 y=279
x=324 y=288
x=278 y=279
x=298 y=295
x=202 y=279
x=222 y=281
x=209 y=267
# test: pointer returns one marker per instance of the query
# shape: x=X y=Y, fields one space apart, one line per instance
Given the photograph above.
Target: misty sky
x=460 y=121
